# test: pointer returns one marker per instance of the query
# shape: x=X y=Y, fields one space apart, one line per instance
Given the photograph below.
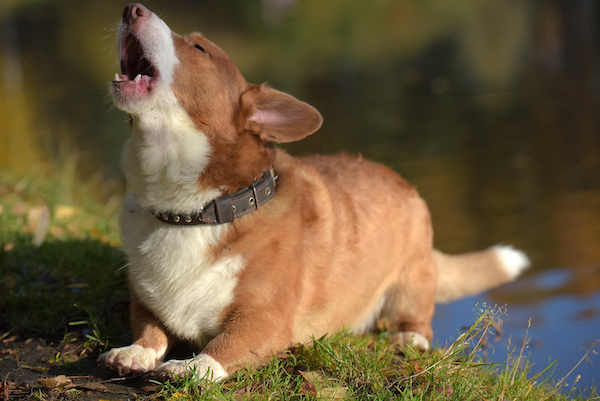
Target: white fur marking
x=202 y=366
x=163 y=159
x=171 y=271
x=513 y=260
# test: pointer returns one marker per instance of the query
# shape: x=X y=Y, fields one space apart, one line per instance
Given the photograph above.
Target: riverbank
x=64 y=299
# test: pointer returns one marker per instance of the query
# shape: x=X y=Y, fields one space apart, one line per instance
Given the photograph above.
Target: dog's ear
x=277 y=116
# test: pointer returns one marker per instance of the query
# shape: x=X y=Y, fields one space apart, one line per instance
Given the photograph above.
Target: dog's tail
x=470 y=273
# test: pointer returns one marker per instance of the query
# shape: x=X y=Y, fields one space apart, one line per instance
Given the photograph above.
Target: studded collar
x=226 y=208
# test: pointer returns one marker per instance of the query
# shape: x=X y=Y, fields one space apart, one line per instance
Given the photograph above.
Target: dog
x=243 y=250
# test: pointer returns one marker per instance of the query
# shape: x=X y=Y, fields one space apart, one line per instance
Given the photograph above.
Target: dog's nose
x=135 y=11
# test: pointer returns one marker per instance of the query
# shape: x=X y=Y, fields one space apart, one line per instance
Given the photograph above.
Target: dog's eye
x=200 y=47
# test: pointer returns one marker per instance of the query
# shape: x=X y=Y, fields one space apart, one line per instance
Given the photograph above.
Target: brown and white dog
x=221 y=256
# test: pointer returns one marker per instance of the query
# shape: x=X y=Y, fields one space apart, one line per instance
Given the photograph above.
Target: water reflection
x=489 y=107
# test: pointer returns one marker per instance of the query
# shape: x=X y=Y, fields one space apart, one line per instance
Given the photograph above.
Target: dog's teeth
x=117 y=77
x=138 y=77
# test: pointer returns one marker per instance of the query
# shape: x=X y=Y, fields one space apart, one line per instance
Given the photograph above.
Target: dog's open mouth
x=136 y=69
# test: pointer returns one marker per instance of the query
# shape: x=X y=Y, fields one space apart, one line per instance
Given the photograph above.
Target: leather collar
x=226 y=208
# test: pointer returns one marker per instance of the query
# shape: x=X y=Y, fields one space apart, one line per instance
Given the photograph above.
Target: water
x=489 y=107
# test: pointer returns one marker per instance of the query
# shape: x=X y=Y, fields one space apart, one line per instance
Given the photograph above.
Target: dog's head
x=163 y=74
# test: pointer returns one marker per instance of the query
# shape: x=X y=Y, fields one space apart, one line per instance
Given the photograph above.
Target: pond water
x=489 y=107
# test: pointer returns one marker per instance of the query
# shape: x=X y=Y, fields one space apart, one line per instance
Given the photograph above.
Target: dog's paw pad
x=411 y=339
x=201 y=367
x=130 y=359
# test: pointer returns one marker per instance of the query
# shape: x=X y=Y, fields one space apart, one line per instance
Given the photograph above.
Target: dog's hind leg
x=410 y=303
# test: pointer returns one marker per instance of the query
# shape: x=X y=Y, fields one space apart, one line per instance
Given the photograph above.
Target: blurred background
x=489 y=107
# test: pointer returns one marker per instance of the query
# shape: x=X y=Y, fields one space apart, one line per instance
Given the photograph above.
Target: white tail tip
x=513 y=260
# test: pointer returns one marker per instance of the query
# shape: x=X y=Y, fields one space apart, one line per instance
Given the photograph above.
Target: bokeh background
x=489 y=107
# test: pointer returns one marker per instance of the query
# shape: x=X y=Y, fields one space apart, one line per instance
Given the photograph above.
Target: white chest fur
x=171 y=271
x=164 y=157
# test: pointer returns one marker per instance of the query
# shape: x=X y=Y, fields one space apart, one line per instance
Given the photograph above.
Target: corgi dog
x=243 y=250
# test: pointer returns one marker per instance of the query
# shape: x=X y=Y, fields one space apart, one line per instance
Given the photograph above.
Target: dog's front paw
x=411 y=339
x=202 y=366
x=131 y=359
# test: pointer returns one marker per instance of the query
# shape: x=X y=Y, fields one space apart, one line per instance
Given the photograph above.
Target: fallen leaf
x=57 y=232
x=314 y=377
x=242 y=390
x=41 y=227
x=54 y=382
x=10 y=339
x=63 y=212
x=6 y=389
x=71 y=348
x=96 y=386
x=315 y=384
x=8 y=351
x=295 y=369
x=333 y=393
x=308 y=388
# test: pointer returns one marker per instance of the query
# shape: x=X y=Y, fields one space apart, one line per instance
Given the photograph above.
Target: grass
x=62 y=278
x=370 y=368
x=61 y=265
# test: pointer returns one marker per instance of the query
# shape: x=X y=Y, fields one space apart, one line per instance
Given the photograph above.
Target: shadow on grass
x=61 y=304
x=62 y=286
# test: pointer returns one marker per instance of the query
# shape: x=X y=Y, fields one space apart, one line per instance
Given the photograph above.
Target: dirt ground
x=35 y=369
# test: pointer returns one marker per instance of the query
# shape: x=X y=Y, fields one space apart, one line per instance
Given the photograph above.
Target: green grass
x=63 y=277
x=353 y=367
x=61 y=265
